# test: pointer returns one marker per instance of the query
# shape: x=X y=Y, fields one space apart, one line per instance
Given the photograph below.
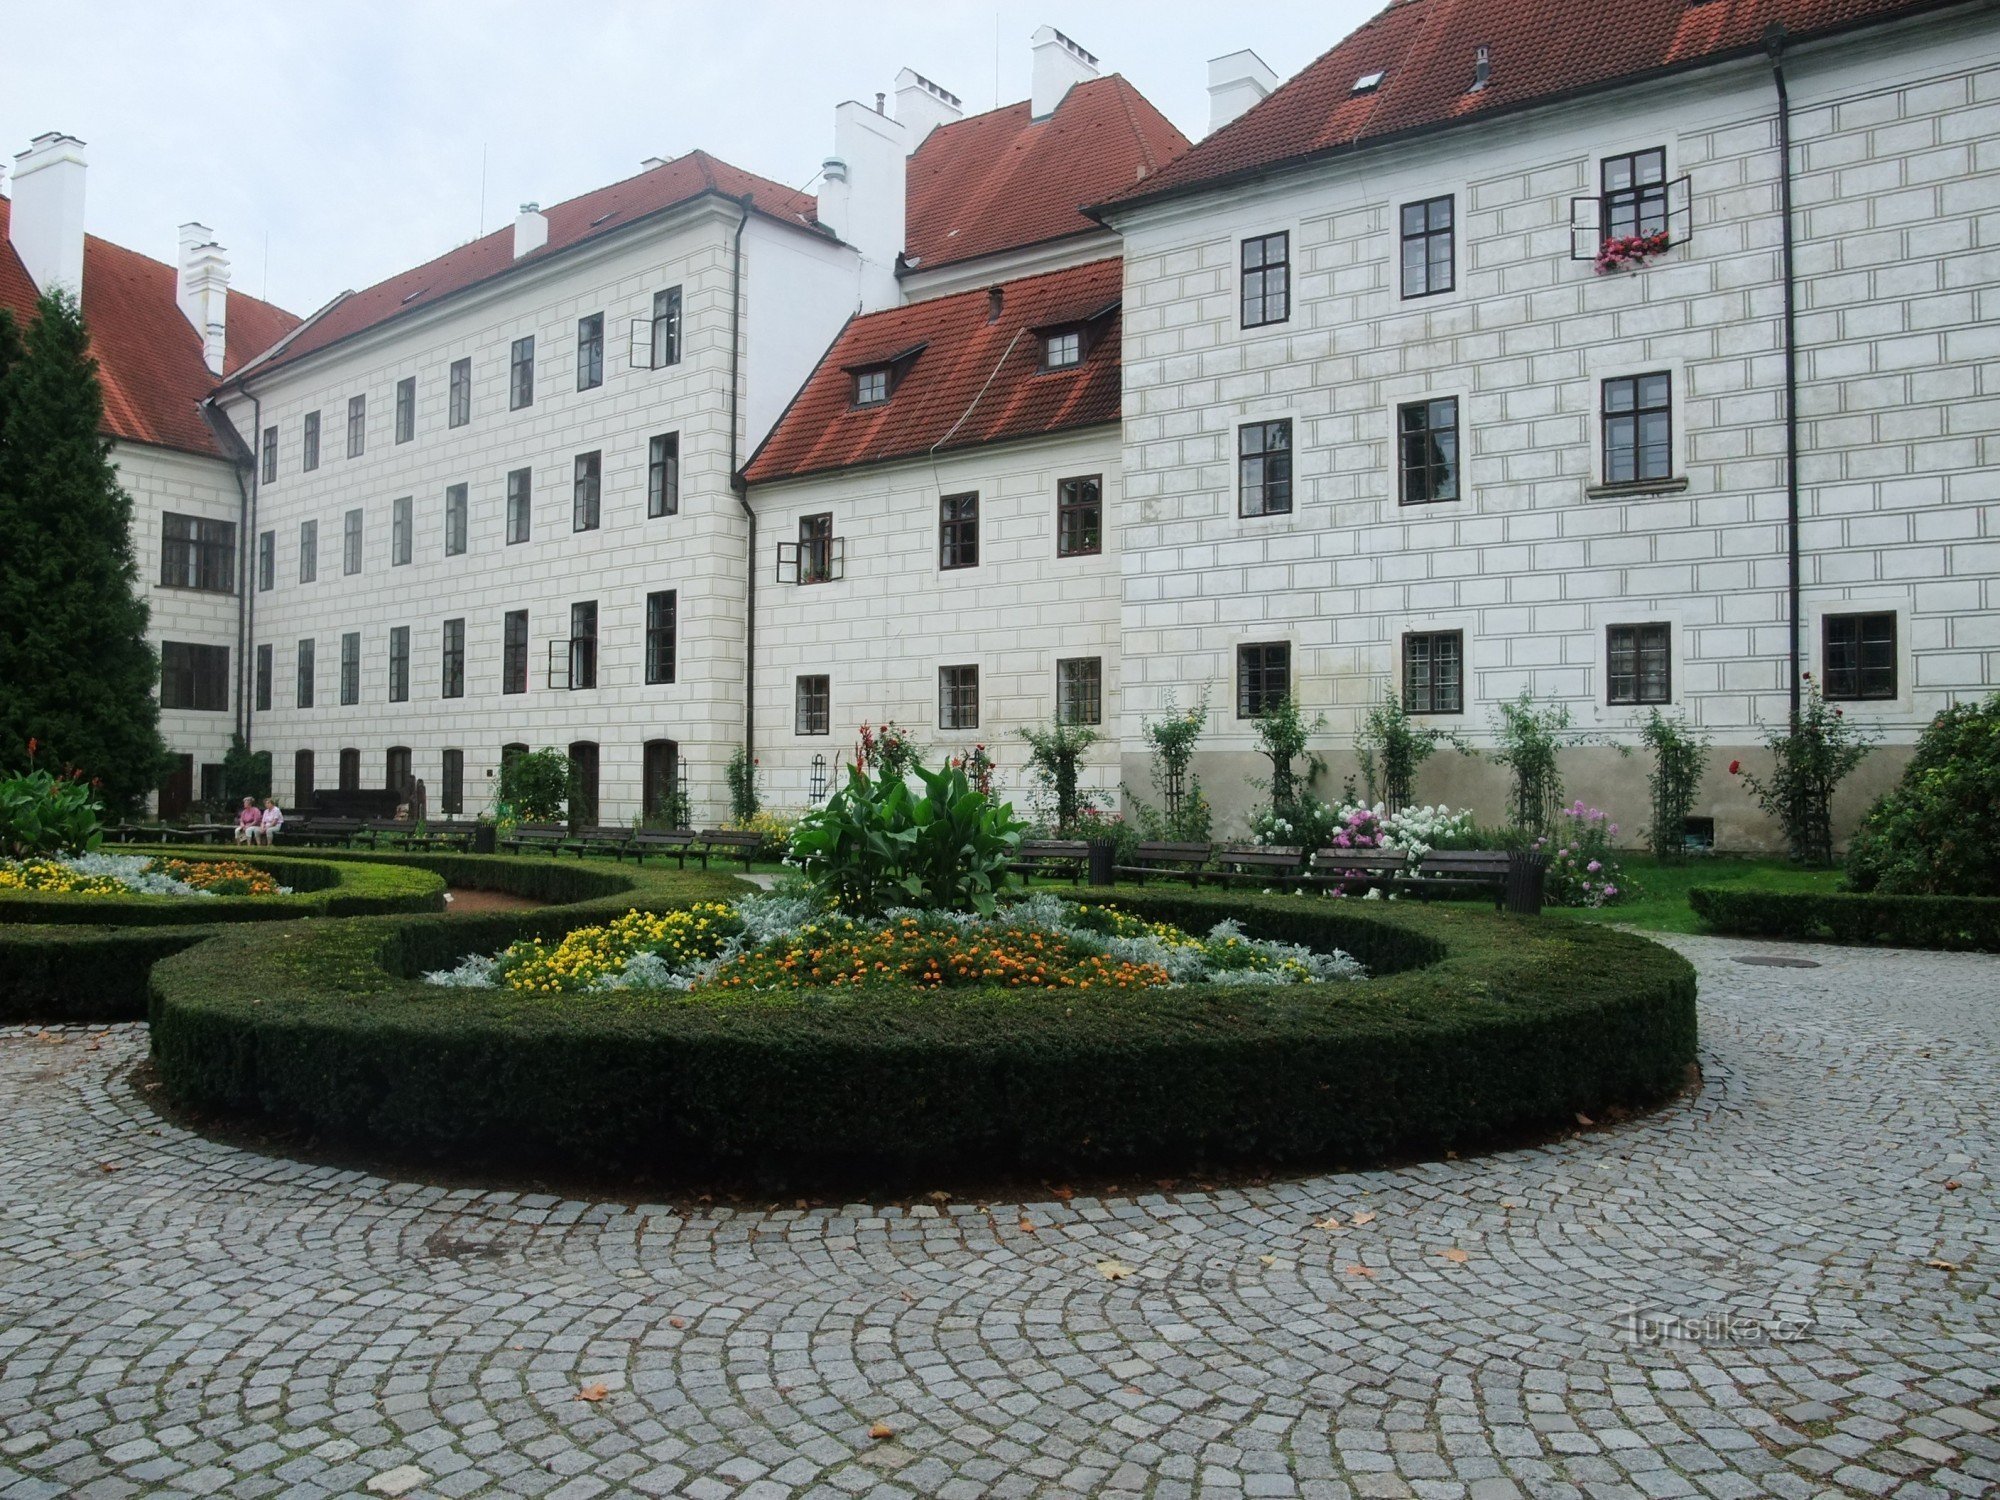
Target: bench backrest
x=1263 y=857
x=1184 y=854
x=1054 y=849
x=673 y=838
x=1466 y=862
x=1373 y=860
x=598 y=831
x=738 y=838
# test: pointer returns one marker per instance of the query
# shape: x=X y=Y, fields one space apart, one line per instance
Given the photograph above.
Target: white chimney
x=861 y=197
x=531 y=230
x=921 y=106
x=47 y=221
x=1059 y=66
x=1235 y=83
x=203 y=292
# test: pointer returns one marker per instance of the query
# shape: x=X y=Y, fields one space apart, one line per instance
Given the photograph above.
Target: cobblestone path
x=1806 y=1252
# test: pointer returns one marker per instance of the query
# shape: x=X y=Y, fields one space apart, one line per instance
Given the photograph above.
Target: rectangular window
x=663 y=475
x=455 y=507
x=309 y=449
x=357 y=426
x=1267 y=280
x=267 y=561
x=270 y=455
x=1426 y=246
x=812 y=711
x=590 y=352
x=350 y=542
x=520 y=504
x=514 y=652
x=662 y=635
x=585 y=491
x=1263 y=677
x=194 y=677
x=1635 y=193
x=1080 y=516
x=349 y=775
x=816 y=547
x=461 y=393
x=1080 y=690
x=958 y=697
x=1427 y=432
x=1638 y=428
x=1060 y=351
x=304 y=697
x=451 y=784
x=453 y=675
x=871 y=387
x=308 y=551
x=583 y=644
x=1638 y=662
x=196 y=553
x=958 y=531
x=521 y=374
x=1858 y=660
x=399 y=664
x=1264 y=468
x=1434 y=672
x=406 y=408
x=266 y=667
x=667 y=327
x=350 y=666
x=402 y=523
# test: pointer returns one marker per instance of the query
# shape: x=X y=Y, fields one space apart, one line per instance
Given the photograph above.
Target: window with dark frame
x=816 y=547
x=585 y=491
x=406 y=408
x=871 y=387
x=396 y=775
x=514 y=652
x=1634 y=188
x=520 y=504
x=460 y=409
x=1080 y=516
x=357 y=426
x=1080 y=690
x=303 y=694
x=663 y=475
x=958 y=697
x=1264 y=468
x=302 y=780
x=266 y=667
x=583 y=644
x=1063 y=349
x=195 y=678
x=451 y=782
x=1427 y=442
x=590 y=352
x=662 y=635
x=1638 y=664
x=270 y=455
x=1858 y=656
x=399 y=664
x=350 y=770
x=1427 y=259
x=267 y=561
x=958 y=531
x=1638 y=428
x=309 y=444
x=1267 y=279
x=667 y=327
x=350 y=667
x=402 y=526
x=453 y=660
x=1434 y=672
x=1263 y=677
x=308 y=551
x=350 y=542
x=457 y=499
x=521 y=374
x=813 y=705
x=197 y=553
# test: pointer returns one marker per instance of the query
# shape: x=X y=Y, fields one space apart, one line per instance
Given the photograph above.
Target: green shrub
x=1282 y=733
x=1680 y=757
x=874 y=845
x=535 y=788
x=1811 y=756
x=1955 y=923
x=741 y=774
x=1055 y=755
x=45 y=814
x=1530 y=739
x=1392 y=748
x=1938 y=832
x=1183 y=815
x=76 y=974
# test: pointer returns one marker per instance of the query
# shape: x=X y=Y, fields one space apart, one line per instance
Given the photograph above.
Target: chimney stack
x=1059 y=66
x=531 y=230
x=1235 y=83
x=46 y=224
x=203 y=292
x=861 y=196
x=921 y=106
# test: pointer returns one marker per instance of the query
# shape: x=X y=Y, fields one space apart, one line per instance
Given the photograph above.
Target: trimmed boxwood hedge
x=1477 y=1024
x=1960 y=923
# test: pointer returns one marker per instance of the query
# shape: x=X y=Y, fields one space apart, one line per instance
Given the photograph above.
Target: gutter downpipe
x=246 y=606
x=1774 y=44
x=737 y=483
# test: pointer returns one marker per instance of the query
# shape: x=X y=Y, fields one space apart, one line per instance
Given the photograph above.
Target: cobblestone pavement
x=180 y=1315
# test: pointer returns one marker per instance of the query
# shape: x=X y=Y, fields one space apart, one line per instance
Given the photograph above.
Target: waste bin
x=1103 y=855
x=485 y=839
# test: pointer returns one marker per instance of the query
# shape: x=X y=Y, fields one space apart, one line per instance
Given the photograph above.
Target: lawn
x=1658 y=892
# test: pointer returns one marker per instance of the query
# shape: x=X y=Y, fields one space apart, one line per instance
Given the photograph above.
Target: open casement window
x=656 y=341
x=817 y=557
x=1637 y=209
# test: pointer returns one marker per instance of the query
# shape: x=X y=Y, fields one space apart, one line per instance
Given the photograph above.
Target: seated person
x=248 y=822
x=272 y=820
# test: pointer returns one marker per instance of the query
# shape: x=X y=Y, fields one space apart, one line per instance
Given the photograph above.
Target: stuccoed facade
x=1898 y=216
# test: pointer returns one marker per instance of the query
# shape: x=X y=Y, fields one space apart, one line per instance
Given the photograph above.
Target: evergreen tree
x=76 y=672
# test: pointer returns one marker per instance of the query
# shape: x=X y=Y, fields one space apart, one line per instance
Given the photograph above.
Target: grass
x=1659 y=901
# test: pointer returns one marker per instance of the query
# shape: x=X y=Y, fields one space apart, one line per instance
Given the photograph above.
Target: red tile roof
x=603 y=211
x=148 y=355
x=976 y=380
x=1002 y=180
x=1540 y=51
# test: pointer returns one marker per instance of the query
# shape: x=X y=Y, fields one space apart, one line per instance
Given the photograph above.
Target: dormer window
x=875 y=381
x=1062 y=349
x=871 y=387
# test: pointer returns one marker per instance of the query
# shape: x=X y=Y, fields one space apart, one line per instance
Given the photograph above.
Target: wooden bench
x=319 y=832
x=1264 y=864
x=1359 y=869
x=1167 y=859
x=736 y=843
x=453 y=838
x=597 y=839
x=531 y=838
x=1450 y=870
x=1052 y=857
x=679 y=842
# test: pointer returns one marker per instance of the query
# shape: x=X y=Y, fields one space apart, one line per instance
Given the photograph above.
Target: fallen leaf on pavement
x=1583 y=1119
x=1333 y=1223
x=1269 y=1260
x=1456 y=1257
x=1027 y=1225
x=1942 y=1265
x=1953 y=1186
x=107 y=1166
x=593 y=1393
x=1367 y=1218
x=881 y=1430
x=1113 y=1270
x=1359 y=1271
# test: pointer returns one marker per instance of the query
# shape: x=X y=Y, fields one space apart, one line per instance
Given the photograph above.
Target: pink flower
x=1593 y=867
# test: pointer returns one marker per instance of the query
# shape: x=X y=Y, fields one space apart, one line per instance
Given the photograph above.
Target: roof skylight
x=1367 y=83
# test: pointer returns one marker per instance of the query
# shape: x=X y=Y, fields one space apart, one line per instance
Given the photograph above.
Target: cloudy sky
x=330 y=145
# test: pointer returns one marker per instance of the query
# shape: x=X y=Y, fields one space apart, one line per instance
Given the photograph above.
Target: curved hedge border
x=1958 y=923
x=321 y=888
x=1479 y=1024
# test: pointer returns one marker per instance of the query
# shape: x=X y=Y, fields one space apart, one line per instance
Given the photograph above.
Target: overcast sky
x=348 y=137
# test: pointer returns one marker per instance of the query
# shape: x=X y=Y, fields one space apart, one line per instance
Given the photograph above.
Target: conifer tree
x=76 y=671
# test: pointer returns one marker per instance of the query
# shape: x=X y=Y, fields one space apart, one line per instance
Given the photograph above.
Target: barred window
x=1859 y=656
x=1080 y=690
x=663 y=474
x=1264 y=468
x=958 y=697
x=194 y=677
x=514 y=652
x=958 y=531
x=196 y=553
x=1434 y=672
x=1263 y=677
x=813 y=706
x=1080 y=516
x=662 y=635
x=1638 y=659
x=1267 y=279
x=453 y=666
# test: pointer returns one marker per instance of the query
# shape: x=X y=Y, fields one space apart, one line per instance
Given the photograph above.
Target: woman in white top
x=274 y=819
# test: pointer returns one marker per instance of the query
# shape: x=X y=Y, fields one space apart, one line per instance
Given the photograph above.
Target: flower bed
x=121 y=875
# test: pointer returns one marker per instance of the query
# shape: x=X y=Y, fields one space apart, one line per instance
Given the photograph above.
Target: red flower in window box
x=1630 y=250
